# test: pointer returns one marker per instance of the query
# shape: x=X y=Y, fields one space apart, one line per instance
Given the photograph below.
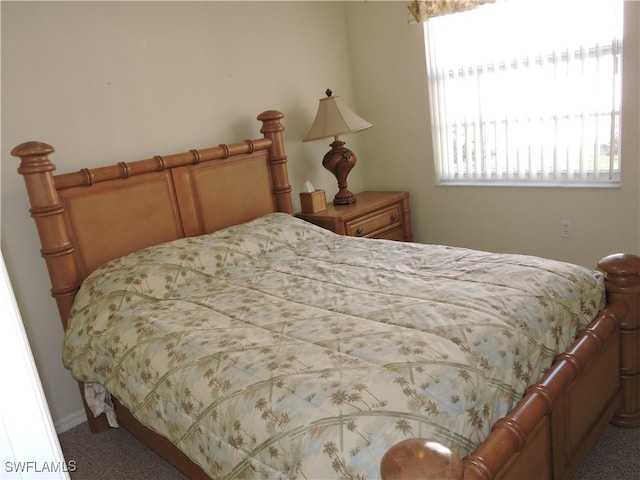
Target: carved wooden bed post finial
x=34 y=157
x=272 y=129
x=419 y=458
x=622 y=273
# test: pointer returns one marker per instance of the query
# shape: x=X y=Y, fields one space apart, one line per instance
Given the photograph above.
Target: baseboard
x=70 y=421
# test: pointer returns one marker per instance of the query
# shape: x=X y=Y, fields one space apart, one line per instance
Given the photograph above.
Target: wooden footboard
x=559 y=419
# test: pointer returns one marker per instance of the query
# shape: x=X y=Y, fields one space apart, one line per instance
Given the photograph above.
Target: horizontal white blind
x=527 y=92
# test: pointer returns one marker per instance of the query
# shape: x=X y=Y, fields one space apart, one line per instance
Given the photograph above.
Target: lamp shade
x=334 y=118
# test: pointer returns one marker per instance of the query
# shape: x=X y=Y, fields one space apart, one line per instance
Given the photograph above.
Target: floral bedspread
x=277 y=349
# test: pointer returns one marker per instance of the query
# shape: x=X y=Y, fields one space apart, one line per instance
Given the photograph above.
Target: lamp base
x=344 y=197
x=339 y=161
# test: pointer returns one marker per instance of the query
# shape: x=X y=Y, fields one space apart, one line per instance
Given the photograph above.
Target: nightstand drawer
x=396 y=234
x=374 y=224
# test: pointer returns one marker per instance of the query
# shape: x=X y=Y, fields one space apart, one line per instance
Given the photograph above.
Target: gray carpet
x=116 y=455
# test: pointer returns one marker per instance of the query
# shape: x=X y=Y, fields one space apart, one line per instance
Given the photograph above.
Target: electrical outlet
x=565 y=228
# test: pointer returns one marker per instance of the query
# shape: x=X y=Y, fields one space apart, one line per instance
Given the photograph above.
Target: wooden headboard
x=88 y=217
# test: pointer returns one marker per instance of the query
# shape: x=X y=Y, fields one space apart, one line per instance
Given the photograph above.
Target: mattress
x=277 y=349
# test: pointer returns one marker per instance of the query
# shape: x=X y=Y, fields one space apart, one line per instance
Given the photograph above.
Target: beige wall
x=115 y=81
x=122 y=80
x=389 y=71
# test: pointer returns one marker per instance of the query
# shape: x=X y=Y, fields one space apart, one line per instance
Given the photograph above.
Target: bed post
x=622 y=274
x=57 y=248
x=272 y=129
x=48 y=213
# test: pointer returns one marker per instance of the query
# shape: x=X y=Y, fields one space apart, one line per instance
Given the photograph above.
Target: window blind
x=518 y=97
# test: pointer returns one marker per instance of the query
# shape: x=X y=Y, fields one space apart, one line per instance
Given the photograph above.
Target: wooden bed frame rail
x=546 y=436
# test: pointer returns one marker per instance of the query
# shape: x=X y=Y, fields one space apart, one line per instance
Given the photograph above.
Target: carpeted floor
x=116 y=455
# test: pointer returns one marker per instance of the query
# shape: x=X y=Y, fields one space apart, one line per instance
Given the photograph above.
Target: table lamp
x=335 y=118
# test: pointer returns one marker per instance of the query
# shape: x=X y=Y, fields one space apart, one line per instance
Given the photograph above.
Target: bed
x=188 y=290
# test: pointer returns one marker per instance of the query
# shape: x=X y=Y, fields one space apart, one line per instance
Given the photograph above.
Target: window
x=527 y=92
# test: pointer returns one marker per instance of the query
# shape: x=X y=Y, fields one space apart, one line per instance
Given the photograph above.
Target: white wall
x=390 y=75
x=115 y=81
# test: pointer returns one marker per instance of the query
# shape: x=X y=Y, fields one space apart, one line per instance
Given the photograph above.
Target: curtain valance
x=422 y=10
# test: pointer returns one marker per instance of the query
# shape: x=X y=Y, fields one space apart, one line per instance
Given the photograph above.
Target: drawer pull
x=394 y=217
x=360 y=231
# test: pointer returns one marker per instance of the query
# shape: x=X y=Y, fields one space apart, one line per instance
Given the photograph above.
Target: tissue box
x=313 y=202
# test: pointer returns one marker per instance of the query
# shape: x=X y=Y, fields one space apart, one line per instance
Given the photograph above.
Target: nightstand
x=374 y=215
